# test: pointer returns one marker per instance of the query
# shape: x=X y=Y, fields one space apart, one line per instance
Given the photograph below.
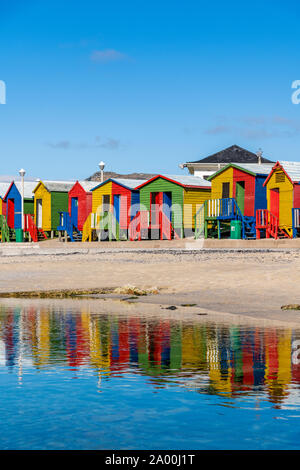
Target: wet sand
x=252 y=285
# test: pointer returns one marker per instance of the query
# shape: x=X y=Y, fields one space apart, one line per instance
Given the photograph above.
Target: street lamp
x=101 y=166
x=22 y=173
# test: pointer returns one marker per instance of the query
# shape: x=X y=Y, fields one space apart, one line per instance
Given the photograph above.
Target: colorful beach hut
x=168 y=204
x=50 y=198
x=283 y=197
x=80 y=202
x=13 y=203
x=245 y=183
x=114 y=203
x=237 y=192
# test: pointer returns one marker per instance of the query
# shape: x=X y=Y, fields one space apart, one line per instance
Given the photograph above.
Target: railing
x=296 y=221
x=66 y=224
x=30 y=227
x=267 y=221
x=221 y=208
x=4 y=229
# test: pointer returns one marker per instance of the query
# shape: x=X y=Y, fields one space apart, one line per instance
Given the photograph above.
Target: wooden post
x=219 y=229
x=52 y=234
x=66 y=236
x=59 y=235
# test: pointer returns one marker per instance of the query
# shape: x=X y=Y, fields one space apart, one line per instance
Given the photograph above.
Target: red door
x=11 y=213
x=156 y=200
x=274 y=202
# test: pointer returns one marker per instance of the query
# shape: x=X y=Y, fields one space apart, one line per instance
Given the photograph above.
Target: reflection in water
x=208 y=358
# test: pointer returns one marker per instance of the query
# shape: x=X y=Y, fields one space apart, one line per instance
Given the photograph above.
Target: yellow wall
x=192 y=200
x=0 y=205
x=285 y=198
x=225 y=176
x=42 y=193
x=98 y=194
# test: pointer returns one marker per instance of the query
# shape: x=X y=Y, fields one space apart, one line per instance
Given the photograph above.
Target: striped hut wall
x=1 y=205
x=193 y=199
x=42 y=193
x=279 y=180
x=162 y=185
x=103 y=190
x=225 y=176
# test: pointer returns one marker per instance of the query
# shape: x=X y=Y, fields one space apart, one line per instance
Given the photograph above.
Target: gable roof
x=127 y=183
x=28 y=188
x=3 y=189
x=253 y=169
x=291 y=169
x=232 y=154
x=86 y=185
x=182 y=180
x=57 y=186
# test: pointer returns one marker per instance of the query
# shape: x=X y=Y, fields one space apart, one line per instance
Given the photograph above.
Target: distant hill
x=110 y=174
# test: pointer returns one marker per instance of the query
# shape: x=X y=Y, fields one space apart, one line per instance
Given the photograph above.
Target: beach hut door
x=274 y=202
x=11 y=213
x=74 y=211
x=240 y=195
x=167 y=204
x=39 y=213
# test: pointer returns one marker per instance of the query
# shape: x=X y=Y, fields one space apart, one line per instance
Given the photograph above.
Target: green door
x=240 y=195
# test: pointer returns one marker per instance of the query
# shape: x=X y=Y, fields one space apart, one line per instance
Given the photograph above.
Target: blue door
x=167 y=204
x=74 y=211
x=117 y=207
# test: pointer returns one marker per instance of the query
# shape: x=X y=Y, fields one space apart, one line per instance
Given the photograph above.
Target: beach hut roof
x=182 y=180
x=253 y=169
x=58 y=186
x=232 y=154
x=127 y=183
x=291 y=169
x=3 y=188
x=28 y=188
x=87 y=185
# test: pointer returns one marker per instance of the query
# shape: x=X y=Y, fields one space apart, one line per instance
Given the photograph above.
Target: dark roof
x=233 y=154
x=110 y=174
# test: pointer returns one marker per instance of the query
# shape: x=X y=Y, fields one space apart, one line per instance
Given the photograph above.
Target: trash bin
x=19 y=235
x=235 y=229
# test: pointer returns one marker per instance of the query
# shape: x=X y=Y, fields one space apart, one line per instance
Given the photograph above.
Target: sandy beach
x=241 y=283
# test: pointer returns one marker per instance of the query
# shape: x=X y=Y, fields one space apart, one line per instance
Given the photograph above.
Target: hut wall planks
x=193 y=199
x=59 y=203
x=225 y=176
x=84 y=203
x=98 y=193
x=249 y=195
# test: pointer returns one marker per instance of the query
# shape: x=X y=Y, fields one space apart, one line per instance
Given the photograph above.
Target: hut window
x=280 y=177
x=225 y=190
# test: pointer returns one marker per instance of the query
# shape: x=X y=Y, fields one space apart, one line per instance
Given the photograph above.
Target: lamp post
x=101 y=166
x=22 y=173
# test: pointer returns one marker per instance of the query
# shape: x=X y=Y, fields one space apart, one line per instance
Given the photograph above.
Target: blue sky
x=145 y=86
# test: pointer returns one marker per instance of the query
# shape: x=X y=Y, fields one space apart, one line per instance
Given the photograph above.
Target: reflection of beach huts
x=168 y=205
x=283 y=197
x=114 y=203
x=50 y=198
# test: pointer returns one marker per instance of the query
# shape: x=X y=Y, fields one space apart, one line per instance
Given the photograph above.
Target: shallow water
x=71 y=378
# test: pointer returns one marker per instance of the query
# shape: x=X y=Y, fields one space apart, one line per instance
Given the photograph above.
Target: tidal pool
x=72 y=378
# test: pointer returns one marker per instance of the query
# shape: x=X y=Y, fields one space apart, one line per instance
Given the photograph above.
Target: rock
x=291 y=307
